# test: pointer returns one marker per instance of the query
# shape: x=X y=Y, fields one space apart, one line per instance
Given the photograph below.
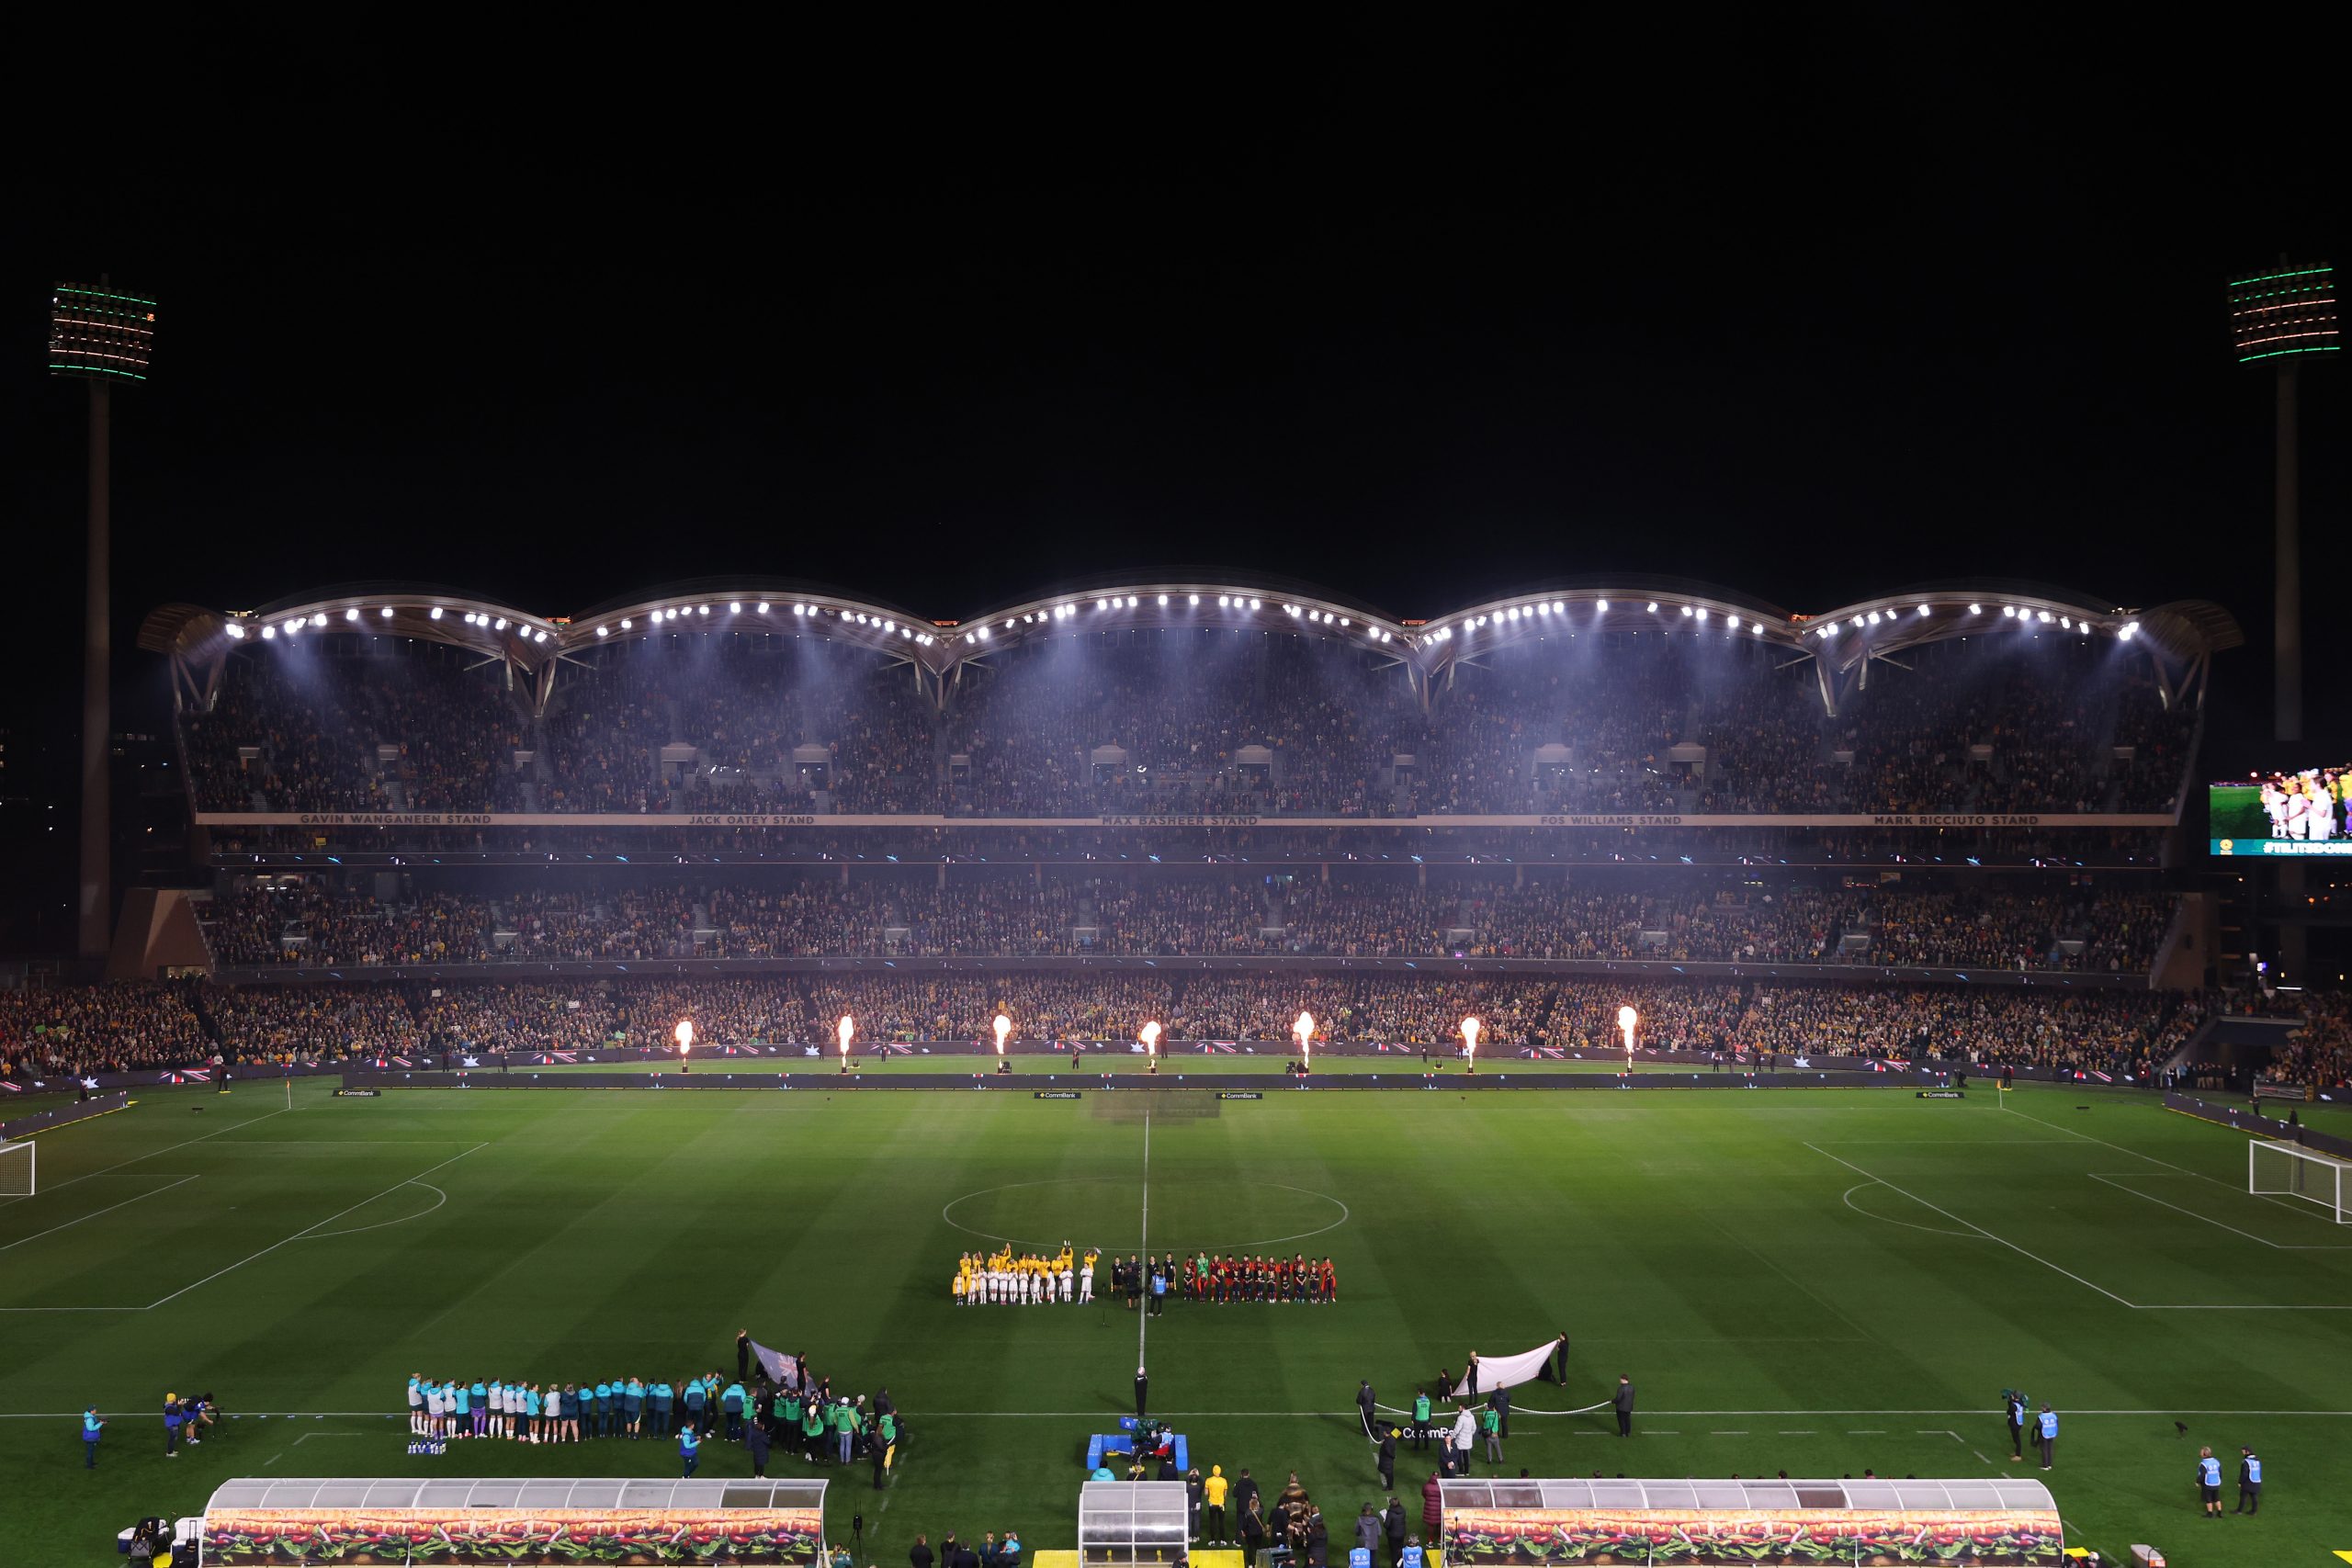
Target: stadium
x=1242 y=930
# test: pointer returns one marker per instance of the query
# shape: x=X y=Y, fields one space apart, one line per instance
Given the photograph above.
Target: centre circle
x=1222 y=1215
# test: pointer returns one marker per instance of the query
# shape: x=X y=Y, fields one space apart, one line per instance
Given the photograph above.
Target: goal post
x=16 y=1168
x=2289 y=1170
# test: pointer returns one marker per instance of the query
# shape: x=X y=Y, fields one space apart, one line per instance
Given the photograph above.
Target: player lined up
x=1203 y=1277
x=1025 y=1280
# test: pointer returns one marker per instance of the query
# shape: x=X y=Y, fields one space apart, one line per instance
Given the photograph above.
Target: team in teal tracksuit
x=90 y=1427
x=689 y=1445
x=731 y=1402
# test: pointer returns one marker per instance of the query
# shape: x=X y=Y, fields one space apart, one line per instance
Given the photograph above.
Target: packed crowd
x=119 y=1027
x=1186 y=723
x=115 y=1028
x=1359 y=914
x=1273 y=842
x=2318 y=1055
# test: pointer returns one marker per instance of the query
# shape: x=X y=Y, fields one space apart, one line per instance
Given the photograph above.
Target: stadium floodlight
x=2283 y=312
x=434 y=613
x=603 y=631
x=1756 y=627
x=625 y=622
x=2068 y=622
x=1603 y=605
x=2280 y=317
x=319 y=619
x=1701 y=612
x=500 y=624
x=1163 y=601
x=763 y=607
x=267 y=633
x=1653 y=607
x=2045 y=617
x=1735 y=623
x=1923 y=609
x=2289 y=1170
x=351 y=614
x=235 y=631
x=702 y=609
x=1976 y=609
x=735 y=606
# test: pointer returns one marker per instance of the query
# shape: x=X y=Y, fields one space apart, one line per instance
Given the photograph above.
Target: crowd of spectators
x=113 y=1028
x=1171 y=723
x=2318 y=1055
x=127 y=1026
x=1357 y=914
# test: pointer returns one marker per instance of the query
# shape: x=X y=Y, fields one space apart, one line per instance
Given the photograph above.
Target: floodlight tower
x=2278 y=317
x=103 y=336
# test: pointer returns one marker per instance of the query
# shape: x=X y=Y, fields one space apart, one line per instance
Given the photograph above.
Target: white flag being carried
x=1504 y=1372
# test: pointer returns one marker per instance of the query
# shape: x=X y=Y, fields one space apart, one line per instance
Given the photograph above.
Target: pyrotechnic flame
x=685 y=1035
x=1150 y=1038
x=1626 y=1020
x=847 y=1030
x=1470 y=1027
x=1003 y=1027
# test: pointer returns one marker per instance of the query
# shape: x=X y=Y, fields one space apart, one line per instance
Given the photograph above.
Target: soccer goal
x=17 y=1169
x=2288 y=1170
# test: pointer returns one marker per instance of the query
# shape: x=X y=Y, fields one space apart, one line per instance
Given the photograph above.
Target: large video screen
x=2284 y=813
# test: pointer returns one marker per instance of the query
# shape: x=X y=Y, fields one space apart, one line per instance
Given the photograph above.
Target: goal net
x=17 y=1169
x=2286 y=1170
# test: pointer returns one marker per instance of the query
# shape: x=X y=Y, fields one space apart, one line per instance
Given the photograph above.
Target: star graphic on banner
x=89 y=1083
x=473 y=1061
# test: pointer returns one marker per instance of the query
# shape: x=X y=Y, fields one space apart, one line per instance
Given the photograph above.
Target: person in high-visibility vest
x=2209 y=1482
x=2249 y=1481
x=2049 y=1436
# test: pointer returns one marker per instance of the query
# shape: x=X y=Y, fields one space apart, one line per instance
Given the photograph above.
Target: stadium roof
x=1999 y=1493
x=1842 y=637
x=526 y=1493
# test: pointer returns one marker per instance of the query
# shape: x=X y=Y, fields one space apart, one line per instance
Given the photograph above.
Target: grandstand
x=1188 y=701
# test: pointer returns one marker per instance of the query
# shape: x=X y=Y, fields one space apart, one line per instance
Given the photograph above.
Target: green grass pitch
x=1810 y=1281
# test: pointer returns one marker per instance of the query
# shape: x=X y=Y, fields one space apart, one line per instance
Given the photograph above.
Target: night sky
x=1421 y=306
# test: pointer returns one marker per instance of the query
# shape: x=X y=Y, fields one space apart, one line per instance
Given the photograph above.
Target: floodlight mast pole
x=2288 y=601
x=101 y=335
x=98 y=675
